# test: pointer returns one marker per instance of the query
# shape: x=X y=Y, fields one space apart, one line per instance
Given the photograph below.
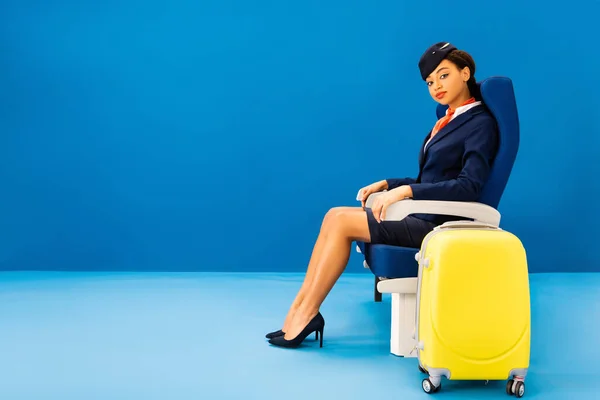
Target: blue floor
x=201 y=336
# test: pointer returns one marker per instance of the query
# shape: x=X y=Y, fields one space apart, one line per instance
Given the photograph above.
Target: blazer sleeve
x=480 y=148
x=397 y=182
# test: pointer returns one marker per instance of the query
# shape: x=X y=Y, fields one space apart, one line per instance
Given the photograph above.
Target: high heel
x=317 y=325
x=271 y=335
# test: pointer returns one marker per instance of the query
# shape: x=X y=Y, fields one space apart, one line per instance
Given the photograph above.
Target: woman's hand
x=383 y=201
x=364 y=193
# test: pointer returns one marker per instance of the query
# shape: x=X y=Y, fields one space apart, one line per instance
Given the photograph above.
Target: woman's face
x=447 y=84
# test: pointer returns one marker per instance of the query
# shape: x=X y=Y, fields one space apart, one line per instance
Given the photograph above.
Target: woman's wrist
x=401 y=192
x=406 y=192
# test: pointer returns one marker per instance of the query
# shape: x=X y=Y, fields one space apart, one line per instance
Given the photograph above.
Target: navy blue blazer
x=456 y=163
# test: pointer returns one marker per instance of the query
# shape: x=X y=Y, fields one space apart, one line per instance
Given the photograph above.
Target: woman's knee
x=331 y=214
x=340 y=217
x=352 y=224
x=335 y=214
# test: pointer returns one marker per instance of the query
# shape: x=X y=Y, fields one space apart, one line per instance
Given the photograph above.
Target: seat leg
x=376 y=292
x=404 y=308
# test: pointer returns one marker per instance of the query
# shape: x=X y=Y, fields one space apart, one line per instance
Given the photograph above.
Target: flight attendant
x=454 y=164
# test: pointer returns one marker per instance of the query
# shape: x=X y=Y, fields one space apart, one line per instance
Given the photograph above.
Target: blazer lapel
x=422 y=151
x=451 y=126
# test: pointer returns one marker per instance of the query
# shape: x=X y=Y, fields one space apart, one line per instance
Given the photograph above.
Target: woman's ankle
x=290 y=316
x=293 y=308
x=297 y=302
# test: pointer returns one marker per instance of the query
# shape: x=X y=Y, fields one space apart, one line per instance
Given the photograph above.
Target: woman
x=454 y=164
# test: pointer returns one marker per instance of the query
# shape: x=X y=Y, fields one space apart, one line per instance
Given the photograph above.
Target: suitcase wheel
x=515 y=387
x=429 y=388
x=509 y=387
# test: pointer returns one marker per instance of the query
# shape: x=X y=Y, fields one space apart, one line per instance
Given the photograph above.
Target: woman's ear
x=466 y=74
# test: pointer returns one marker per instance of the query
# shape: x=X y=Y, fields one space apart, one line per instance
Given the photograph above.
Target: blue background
x=215 y=135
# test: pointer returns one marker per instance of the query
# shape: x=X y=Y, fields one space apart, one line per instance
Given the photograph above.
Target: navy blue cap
x=433 y=56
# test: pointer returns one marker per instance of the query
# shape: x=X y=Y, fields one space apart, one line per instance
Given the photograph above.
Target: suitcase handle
x=465 y=224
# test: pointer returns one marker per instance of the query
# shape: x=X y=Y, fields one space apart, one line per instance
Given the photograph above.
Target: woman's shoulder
x=482 y=115
x=481 y=111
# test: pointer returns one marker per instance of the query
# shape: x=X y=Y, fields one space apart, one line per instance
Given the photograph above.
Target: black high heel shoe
x=317 y=325
x=271 y=335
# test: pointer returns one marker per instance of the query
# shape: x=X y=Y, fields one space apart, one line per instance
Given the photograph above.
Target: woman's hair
x=463 y=59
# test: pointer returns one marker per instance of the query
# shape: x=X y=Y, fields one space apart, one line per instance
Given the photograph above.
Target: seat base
x=403 y=314
x=402 y=342
x=395 y=270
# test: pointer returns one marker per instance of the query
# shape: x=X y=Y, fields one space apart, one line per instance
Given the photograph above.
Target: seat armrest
x=398 y=285
x=477 y=211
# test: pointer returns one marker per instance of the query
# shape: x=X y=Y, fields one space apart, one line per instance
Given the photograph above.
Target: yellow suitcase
x=473 y=306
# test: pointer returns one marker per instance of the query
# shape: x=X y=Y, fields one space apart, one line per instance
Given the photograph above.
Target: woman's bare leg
x=331 y=216
x=343 y=228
